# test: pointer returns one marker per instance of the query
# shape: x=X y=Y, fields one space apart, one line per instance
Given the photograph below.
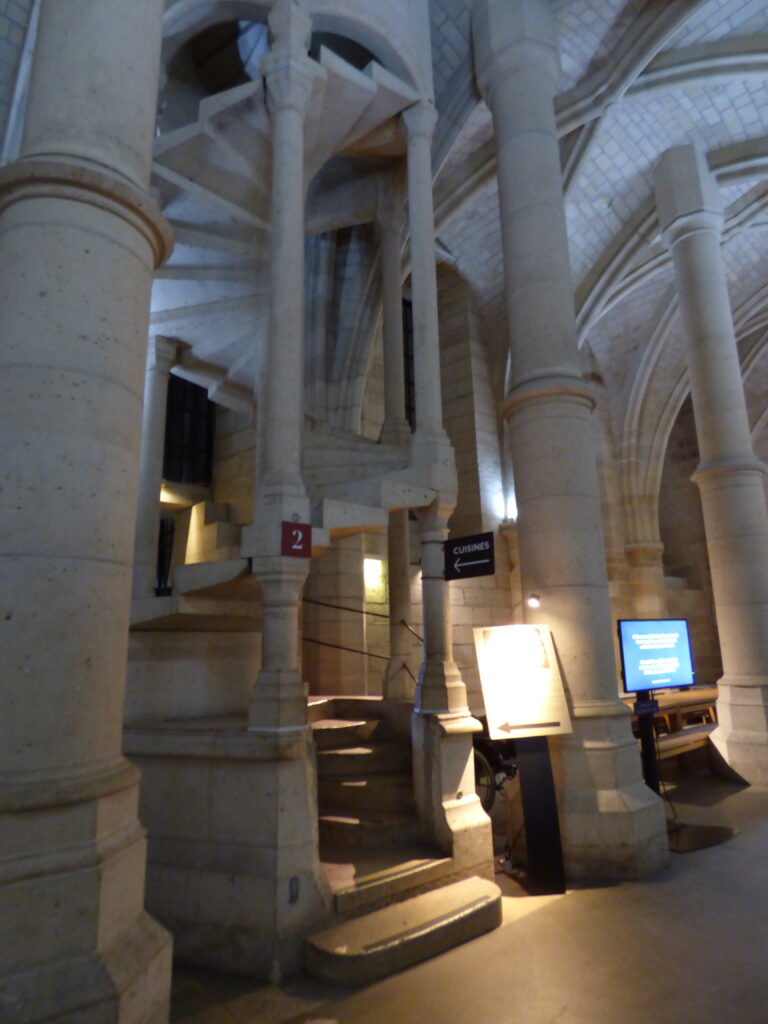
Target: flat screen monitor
x=655 y=654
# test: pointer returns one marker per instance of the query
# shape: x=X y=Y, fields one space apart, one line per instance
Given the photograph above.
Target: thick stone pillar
x=398 y=683
x=612 y=825
x=79 y=241
x=450 y=813
x=729 y=476
x=395 y=429
x=160 y=358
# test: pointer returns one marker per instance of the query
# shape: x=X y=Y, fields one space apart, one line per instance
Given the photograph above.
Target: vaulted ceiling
x=638 y=76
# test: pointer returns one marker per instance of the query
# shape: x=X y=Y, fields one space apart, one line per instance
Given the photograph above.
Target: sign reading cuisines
x=466 y=557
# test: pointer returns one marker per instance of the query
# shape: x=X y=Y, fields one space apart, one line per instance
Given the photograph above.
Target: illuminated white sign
x=522 y=686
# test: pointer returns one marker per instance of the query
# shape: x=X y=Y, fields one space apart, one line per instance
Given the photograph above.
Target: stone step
x=383 y=792
x=373 y=830
x=363 y=760
x=221 y=534
x=380 y=492
x=374 y=945
x=217 y=578
x=179 y=613
x=333 y=733
x=345 y=517
x=366 y=880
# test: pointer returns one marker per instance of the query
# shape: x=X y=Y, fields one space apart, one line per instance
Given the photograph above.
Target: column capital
x=289 y=78
x=420 y=119
x=687 y=195
x=287 y=69
x=507 y=36
x=162 y=353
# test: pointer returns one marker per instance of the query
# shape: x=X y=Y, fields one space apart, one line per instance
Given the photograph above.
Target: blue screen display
x=655 y=653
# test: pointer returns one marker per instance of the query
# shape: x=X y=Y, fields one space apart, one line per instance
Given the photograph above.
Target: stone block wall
x=189 y=674
x=234 y=458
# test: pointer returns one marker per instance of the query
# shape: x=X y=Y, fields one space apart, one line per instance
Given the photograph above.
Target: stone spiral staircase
x=213 y=182
x=395 y=901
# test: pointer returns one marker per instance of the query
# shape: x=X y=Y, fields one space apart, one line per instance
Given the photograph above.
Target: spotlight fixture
x=534 y=601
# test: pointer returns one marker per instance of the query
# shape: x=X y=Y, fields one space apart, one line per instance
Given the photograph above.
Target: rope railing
x=350 y=650
x=344 y=608
x=412 y=630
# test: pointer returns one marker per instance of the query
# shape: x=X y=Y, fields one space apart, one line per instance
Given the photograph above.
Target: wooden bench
x=684 y=740
x=674 y=735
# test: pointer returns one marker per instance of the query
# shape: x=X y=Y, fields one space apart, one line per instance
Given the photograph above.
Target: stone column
x=440 y=686
x=277 y=865
x=161 y=357
x=279 y=700
x=398 y=683
x=729 y=476
x=395 y=429
x=418 y=125
x=612 y=825
x=450 y=813
x=79 y=241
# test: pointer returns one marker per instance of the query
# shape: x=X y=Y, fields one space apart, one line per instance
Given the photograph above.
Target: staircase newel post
x=279 y=700
x=398 y=682
x=277 y=715
x=450 y=814
x=389 y=217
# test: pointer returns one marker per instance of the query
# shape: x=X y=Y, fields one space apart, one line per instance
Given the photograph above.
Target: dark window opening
x=164 y=555
x=410 y=381
x=189 y=426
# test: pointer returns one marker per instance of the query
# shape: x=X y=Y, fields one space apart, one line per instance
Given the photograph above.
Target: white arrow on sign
x=458 y=565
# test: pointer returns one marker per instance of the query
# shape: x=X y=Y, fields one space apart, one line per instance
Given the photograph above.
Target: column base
x=233 y=868
x=741 y=737
x=450 y=814
x=441 y=689
x=75 y=942
x=129 y=981
x=612 y=825
x=278 y=701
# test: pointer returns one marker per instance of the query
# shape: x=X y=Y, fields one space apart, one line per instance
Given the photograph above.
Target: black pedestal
x=542 y=828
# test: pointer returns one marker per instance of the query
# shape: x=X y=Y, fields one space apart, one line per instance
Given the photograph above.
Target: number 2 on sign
x=296 y=540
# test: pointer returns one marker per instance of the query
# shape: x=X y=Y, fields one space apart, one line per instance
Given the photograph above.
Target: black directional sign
x=469 y=556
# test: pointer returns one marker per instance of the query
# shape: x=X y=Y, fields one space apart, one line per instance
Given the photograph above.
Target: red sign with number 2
x=296 y=540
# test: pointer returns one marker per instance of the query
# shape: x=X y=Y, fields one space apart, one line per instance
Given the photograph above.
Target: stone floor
x=688 y=944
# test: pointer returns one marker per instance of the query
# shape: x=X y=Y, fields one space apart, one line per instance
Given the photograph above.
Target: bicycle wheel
x=485 y=780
